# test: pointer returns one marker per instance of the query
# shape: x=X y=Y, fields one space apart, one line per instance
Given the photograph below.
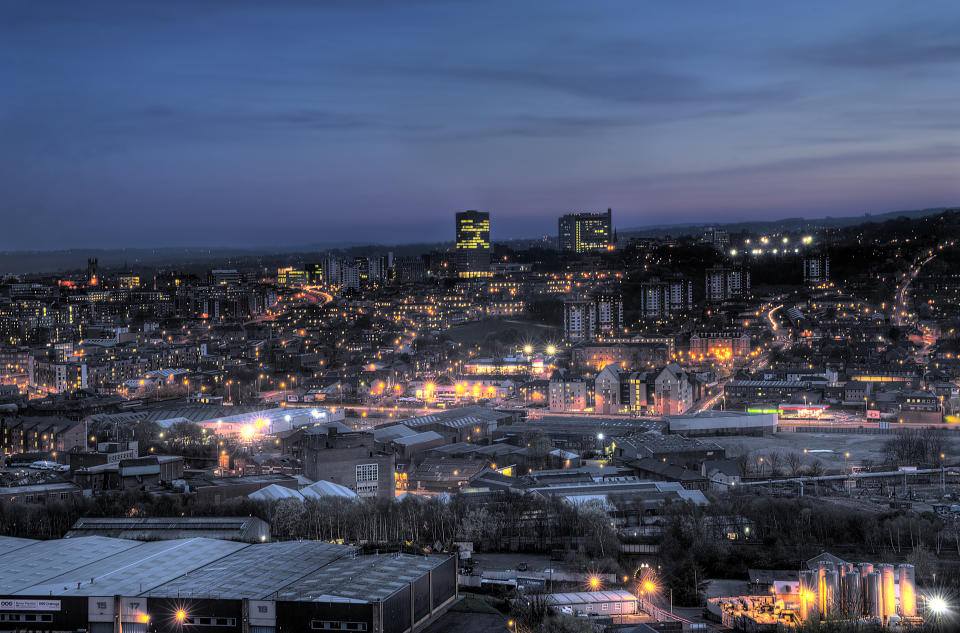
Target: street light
x=937 y=605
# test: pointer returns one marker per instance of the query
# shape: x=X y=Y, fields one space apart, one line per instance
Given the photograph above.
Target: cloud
x=904 y=47
x=632 y=85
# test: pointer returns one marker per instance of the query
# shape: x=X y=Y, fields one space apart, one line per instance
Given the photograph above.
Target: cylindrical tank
x=873 y=595
x=888 y=591
x=908 y=591
x=821 y=588
x=865 y=570
x=831 y=592
x=853 y=604
x=808 y=595
x=841 y=587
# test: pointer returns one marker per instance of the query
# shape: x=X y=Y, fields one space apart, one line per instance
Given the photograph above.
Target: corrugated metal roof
x=35 y=563
x=255 y=572
x=136 y=569
x=10 y=543
x=590 y=597
x=361 y=578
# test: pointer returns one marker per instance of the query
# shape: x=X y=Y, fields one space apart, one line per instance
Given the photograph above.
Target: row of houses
x=668 y=391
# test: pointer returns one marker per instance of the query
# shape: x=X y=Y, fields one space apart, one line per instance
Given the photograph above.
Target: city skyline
x=229 y=124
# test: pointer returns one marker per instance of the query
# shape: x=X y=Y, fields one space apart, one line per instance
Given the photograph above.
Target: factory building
x=829 y=589
x=616 y=602
x=246 y=529
x=723 y=423
x=107 y=585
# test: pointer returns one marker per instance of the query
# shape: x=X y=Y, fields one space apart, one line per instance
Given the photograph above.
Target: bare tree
x=794 y=463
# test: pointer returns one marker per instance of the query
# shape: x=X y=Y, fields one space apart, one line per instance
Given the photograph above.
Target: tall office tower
x=724 y=283
x=659 y=299
x=816 y=269
x=473 y=244
x=586 y=232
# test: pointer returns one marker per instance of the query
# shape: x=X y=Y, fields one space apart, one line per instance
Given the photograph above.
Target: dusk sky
x=191 y=122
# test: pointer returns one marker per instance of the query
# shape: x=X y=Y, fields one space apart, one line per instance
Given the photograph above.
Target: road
x=781 y=339
x=901 y=315
x=307 y=295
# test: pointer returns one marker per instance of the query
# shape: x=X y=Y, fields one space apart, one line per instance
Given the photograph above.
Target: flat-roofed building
x=245 y=529
x=101 y=585
x=618 y=602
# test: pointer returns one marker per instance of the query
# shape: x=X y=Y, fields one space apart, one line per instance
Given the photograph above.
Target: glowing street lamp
x=937 y=606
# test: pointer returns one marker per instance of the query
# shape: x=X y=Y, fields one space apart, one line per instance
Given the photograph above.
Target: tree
x=794 y=463
x=775 y=459
x=146 y=432
x=186 y=430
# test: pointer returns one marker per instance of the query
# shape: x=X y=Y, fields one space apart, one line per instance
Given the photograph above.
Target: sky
x=291 y=122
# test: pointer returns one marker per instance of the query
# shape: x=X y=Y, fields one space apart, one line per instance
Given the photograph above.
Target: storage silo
x=831 y=592
x=853 y=604
x=888 y=591
x=908 y=591
x=865 y=570
x=808 y=596
x=872 y=593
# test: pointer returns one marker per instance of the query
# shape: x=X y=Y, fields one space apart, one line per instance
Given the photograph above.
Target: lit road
x=781 y=339
x=901 y=315
x=308 y=295
x=779 y=334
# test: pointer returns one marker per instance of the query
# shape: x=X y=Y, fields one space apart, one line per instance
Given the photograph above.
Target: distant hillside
x=198 y=259
x=785 y=224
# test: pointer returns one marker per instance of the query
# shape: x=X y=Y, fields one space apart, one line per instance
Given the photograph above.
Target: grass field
x=828 y=448
x=528 y=332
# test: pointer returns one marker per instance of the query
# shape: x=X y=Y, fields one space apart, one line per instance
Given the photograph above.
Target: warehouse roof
x=455 y=418
x=360 y=578
x=590 y=597
x=207 y=568
x=10 y=543
x=35 y=563
x=135 y=569
x=150 y=528
x=255 y=572
x=418 y=438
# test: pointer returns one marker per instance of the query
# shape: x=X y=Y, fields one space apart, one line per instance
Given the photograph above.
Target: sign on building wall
x=30 y=605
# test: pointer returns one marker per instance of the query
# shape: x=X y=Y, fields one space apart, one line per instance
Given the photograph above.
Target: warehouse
x=600 y=602
x=723 y=423
x=247 y=529
x=107 y=585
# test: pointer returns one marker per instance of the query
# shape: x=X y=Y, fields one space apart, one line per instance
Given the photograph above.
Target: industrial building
x=246 y=529
x=108 y=585
x=829 y=589
x=616 y=602
x=723 y=423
